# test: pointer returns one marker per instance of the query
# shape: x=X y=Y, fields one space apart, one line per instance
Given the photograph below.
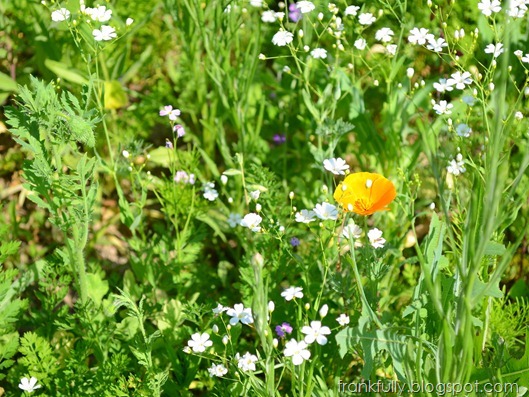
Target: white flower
x=352 y=230
x=336 y=166
x=210 y=193
x=240 y=314
x=343 y=319
x=199 y=342
x=219 y=309
x=443 y=107
x=375 y=238
x=456 y=166
x=255 y=194
x=129 y=21
x=436 y=45
x=366 y=19
x=323 y=310
x=252 y=221
x=305 y=6
x=360 y=44
x=268 y=16
x=442 y=86
x=518 y=115
x=99 y=14
x=525 y=59
x=217 y=370
x=463 y=130
x=256 y=3
x=292 y=292
x=234 y=220
x=410 y=72
x=58 y=16
x=305 y=216
x=420 y=36
x=351 y=10
x=494 y=49
x=246 y=362
x=487 y=7
x=316 y=333
x=29 y=385
x=469 y=100
x=326 y=211
x=297 y=350
x=384 y=35
x=460 y=80
x=125 y=153
x=282 y=38
x=105 y=33
x=391 y=49
x=319 y=53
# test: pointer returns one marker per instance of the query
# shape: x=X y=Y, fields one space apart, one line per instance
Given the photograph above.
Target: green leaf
x=97 y=287
x=65 y=72
x=7 y=83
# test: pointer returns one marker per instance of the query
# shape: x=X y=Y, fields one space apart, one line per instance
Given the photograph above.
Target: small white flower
x=100 y=14
x=456 y=166
x=343 y=320
x=247 y=362
x=210 y=193
x=199 y=342
x=316 y=333
x=459 y=80
x=240 y=314
x=410 y=72
x=129 y=21
x=494 y=49
x=218 y=370
x=319 y=53
x=487 y=7
x=252 y=221
x=58 y=16
x=292 y=292
x=268 y=16
x=297 y=350
x=125 y=153
x=463 y=130
x=443 y=107
x=375 y=238
x=392 y=50
x=106 y=33
x=323 y=310
x=326 y=211
x=351 y=10
x=384 y=35
x=525 y=58
x=282 y=38
x=469 y=100
x=271 y=306
x=256 y=3
x=518 y=115
x=337 y=166
x=436 y=45
x=366 y=19
x=442 y=86
x=305 y=216
x=352 y=230
x=305 y=6
x=29 y=385
x=420 y=36
x=360 y=44
x=255 y=195
x=518 y=54
x=169 y=111
x=234 y=220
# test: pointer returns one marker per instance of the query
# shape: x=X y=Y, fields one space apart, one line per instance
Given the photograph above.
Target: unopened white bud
x=324 y=310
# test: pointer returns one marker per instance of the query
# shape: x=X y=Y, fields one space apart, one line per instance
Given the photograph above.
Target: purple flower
x=294 y=13
x=168 y=144
x=283 y=329
x=294 y=241
x=279 y=139
x=180 y=132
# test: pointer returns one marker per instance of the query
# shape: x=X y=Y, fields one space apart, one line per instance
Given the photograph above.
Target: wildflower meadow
x=264 y=198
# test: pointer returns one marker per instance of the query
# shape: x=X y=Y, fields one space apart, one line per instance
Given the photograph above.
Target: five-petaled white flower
x=487 y=7
x=169 y=111
x=366 y=19
x=282 y=38
x=351 y=10
x=352 y=230
x=463 y=130
x=268 y=16
x=60 y=15
x=456 y=166
x=420 y=36
x=319 y=53
x=384 y=35
x=442 y=86
x=29 y=385
x=252 y=221
x=375 y=238
x=326 y=211
x=297 y=350
x=246 y=362
x=494 y=49
x=99 y=14
x=241 y=314
x=336 y=166
x=436 y=45
x=219 y=309
x=210 y=193
x=234 y=219
x=217 y=370
x=525 y=58
x=459 y=80
x=343 y=319
x=305 y=6
x=316 y=333
x=305 y=216
x=105 y=33
x=391 y=49
x=292 y=292
x=443 y=107
x=199 y=342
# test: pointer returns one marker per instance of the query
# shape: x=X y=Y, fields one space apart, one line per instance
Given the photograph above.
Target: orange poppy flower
x=365 y=193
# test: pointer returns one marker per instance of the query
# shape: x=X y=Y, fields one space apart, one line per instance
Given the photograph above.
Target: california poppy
x=365 y=193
